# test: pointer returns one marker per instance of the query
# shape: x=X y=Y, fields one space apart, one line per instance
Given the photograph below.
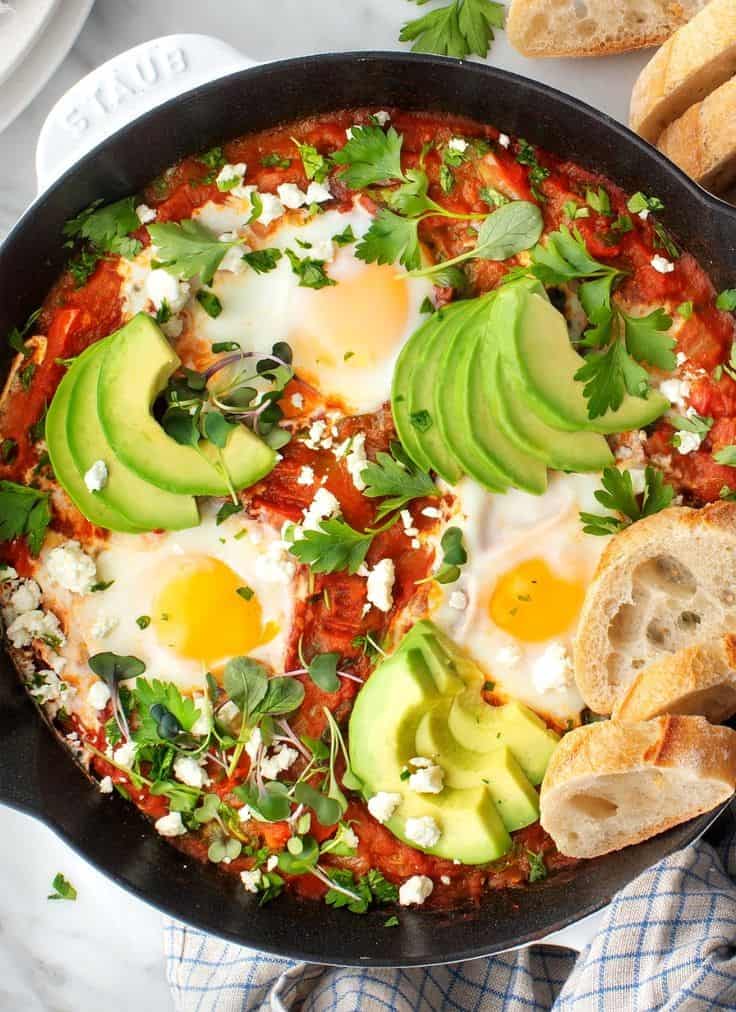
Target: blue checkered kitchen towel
x=667 y=941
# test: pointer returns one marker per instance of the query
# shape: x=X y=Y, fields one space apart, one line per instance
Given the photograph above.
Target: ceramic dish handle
x=123 y=89
x=578 y=935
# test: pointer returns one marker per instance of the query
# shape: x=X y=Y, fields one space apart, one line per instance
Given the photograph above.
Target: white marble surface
x=104 y=951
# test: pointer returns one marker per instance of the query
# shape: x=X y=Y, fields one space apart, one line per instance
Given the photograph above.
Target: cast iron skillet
x=38 y=775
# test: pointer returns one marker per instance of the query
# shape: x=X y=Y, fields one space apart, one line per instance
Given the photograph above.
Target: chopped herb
x=726 y=455
x=8 y=450
x=263 y=260
x=24 y=513
x=397 y=480
x=163 y=712
x=26 y=375
x=426 y=306
x=727 y=300
x=63 y=889
x=228 y=509
x=274 y=160
x=598 y=200
x=316 y=166
x=622 y=224
x=460 y=29
x=371 y=156
x=97 y=588
x=685 y=310
x=640 y=202
x=209 y=302
x=187 y=248
x=213 y=159
x=663 y=240
x=537 y=867
x=323 y=671
x=618 y=494
x=727 y=493
x=391 y=922
x=311 y=273
x=143 y=621
x=573 y=211
x=489 y=686
x=247 y=593
x=493 y=197
x=526 y=155
x=391 y=239
x=17 y=336
x=163 y=313
x=333 y=547
x=421 y=420
x=346 y=237
x=693 y=422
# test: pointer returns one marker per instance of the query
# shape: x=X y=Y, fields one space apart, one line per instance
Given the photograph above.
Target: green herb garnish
x=618 y=494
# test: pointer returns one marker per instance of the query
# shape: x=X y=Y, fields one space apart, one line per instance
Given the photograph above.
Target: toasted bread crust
x=703 y=140
x=610 y=785
x=698 y=58
x=662 y=584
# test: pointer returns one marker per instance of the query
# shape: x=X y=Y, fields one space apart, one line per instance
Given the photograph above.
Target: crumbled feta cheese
x=254 y=743
x=688 y=442
x=274 y=565
x=145 y=214
x=203 y=723
x=70 y=567
x=96 y=477
x=103 y=625
x=423 y=831
x=51 y=690
x=8 y=573
x=382 y=117
x=644 y=213
x=432 y=512
x=245 y=814
x=681 y=358
x=98 y=695
x=272 y=863
x=356 y=460
x=324 y=251
x=170 y=825
x=420 y=762
x=553 y=670
x=281 y=760
x=188 y=770
x=323 y=505
x=316 y=431
x=291 y=196
x=445 y=880
x=233 y=260
x=457 y=144
x=35 y=625
x=318 y=193
x=271 y=208
x=173 y=327
x=230 y=176
x=504 y=140
x=349 y=133
x=661 y=264
x=383 y=805
x=305 y=476
x=676 y=391
x=25 y=597
x=415 y=890
x=106 y=785
x=125 y=754
x=408 y=524
x=429 y=780
x=251 y=880
x=380 y=584
x=297 y=401
x=164 y=287
x=638 y=479
x=458 y=600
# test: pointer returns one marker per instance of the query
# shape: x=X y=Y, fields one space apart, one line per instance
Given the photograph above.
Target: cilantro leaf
x=400 y=483
x=24 y=513
x=334 y=546
x=537 y=867
x=727 y=300
x=370 y=156
x=311 y=272
x=526 y=155
x=188 y=248
x=63 y=889
x=618 y=494
x=263 y=260
x=640 y=202
x=462 y=28
x=647 y=339
x=104 y=226
x=391 y=239
x=316 y=166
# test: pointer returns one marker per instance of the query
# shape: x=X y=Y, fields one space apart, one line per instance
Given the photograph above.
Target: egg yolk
x=200 y=615
x=533 y=604
x=335 y=319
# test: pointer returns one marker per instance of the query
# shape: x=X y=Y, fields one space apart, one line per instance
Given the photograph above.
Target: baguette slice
x=703 y=140
x=610 y=785
x=699 y=58
x=594 y=27
x=699 y=680
x=663 y=584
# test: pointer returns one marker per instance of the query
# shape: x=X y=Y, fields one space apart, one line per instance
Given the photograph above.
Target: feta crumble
x=681 y=358
x=145 y=214
x=688 y=442
x=457 y=144
x=423 y=831
x=356 y=460
x=281 y=760
x=415 y=890
x=445 y=880
x=230 y=176
x=644 y=213
x=35 y=625
x=323 y=506
x=271 y=209
x=379 y=586
x=318 y=193
x=274 y=565
x=676 y=391
x=8 y=573
x=106 y=785
x=70 y=567
x=432 y=512
x=553 y=670
x=125 y=754
x=98 y=695
x=170 y=825
x=383 y=805
x=164 y=287
x=429 y=780
x=96 y=477
x=504 y=140
x=103 y=625
x=253 y=744
x=251 y=880
x=382 y=117
x=188 y=770
x=25 y=597
x=305 y=476
x=297 y=401
x=291 y=195
x=661 y=264
x=233 y=260
x=458 y=600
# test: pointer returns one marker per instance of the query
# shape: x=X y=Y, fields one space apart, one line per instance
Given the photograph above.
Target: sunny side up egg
x=516 y=604
x=345 y=337
x=185 y=602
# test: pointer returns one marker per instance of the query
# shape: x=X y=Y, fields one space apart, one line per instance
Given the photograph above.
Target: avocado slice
x=450 y=396
x=403 y=372
x=422 y=637
x=540 y=353
x=480 y=727
x=565 y=451
x=427 y=378
x=136 y=368
x=513 y=795
x=524 y=471
x=70 y=478
x=125 y=492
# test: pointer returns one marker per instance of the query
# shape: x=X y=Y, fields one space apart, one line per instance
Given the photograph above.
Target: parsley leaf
x=263 y=260
x=371 y=156
x=311 y=272
x=647 y=339
x=537 y=867
x=692 y=422
x=618 y=494
x=389 y=240
x=24 y=512
x=105 y=227
x=188 y=248
x=398 y=481
x=462 y=28
x=63 y=889
x=334 y=546
x=163 y=710
x=209 y=302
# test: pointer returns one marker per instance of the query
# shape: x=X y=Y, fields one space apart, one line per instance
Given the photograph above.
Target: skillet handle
x=124 y=88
